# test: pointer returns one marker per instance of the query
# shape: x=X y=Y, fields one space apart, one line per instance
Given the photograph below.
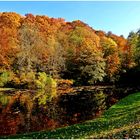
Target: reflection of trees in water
x=45 y=111
x=18 y=107
x=26 y=111
x=27 y=108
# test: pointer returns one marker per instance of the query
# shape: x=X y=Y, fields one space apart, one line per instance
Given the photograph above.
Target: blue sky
x=116 y=16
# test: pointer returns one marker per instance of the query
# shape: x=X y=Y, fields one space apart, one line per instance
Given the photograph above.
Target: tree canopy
x=69 y=50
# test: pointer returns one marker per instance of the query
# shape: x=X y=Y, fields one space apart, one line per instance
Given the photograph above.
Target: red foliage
x=42 y=122
x=9 y=124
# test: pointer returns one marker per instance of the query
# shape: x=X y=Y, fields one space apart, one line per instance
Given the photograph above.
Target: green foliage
x=5 y=77
x=109 y=46
x=111 y=56
x=4 y=99
x=43 y=80
x=100 y=99
x=33 y=80
x=86 y=64
x=46 y=88
x=91 y=68
x=24 y=80
x=97 y=73
x=134 y=41
x=76 y=36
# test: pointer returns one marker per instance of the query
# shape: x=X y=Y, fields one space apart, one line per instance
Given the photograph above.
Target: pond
x=27 y=111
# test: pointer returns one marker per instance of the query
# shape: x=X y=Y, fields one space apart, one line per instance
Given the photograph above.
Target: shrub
x=24 y=80
x=5 y=77
x=44 y=81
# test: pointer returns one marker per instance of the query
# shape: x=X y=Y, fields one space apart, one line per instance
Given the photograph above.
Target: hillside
x=120 y=121
x=68 y=50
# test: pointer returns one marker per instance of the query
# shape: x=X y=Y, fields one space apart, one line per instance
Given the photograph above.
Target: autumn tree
x=56 y=58
x=9 y=24
x=84 y=60
x=134 y=43
x=32 y=47
x=111 y=55
x=49 y=29
x=131 y=61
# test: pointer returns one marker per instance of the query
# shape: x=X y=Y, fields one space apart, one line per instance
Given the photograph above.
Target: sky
x=119 y=17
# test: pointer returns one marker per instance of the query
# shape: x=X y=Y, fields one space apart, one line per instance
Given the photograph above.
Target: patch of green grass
x=116 y=121
x=128 y=131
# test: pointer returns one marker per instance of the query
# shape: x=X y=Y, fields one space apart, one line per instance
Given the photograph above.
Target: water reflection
x=21 y=109
x=26 y=110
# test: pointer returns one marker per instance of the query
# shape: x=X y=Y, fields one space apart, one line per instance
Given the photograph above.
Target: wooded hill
x=69 y=50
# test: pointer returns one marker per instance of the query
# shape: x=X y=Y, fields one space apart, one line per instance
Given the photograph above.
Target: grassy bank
x=120 y=121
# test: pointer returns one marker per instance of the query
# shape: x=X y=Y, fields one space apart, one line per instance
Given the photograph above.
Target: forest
x=55 y=73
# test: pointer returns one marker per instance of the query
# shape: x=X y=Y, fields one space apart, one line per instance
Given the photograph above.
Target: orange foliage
x=64 y=86
x=9 y=23
x=64 y=83
x=113 y=63
x=122 y=42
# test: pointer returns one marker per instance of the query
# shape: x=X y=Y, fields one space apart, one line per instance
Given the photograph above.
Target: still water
x=27 y=111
